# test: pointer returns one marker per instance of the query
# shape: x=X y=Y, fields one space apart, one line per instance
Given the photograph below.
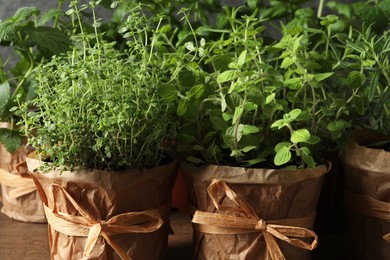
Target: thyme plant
x=97 y=107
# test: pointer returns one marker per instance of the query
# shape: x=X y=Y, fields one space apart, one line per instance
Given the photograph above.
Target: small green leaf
x=5 y=94
x=182 y=107
x=270 y=98
x=242 y=58
x=282 y=156
x=282 y=144
x=287 y=62
x=249 y=129
x=336 y=126
x=313 y=140
x=219 y=123
x=322 y=76
x=196 y=91
x=300 y=135
x=292 y=115
x=356 y=79
x=50 y=40
x=167 y=92
x=227 y=75
x=248 y=148
x=237 y=114
x=307 y=158
x=359 y=103
x=25 y=12
x=279 y=123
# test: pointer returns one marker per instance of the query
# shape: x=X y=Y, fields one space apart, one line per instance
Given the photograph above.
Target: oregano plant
x=256 y=103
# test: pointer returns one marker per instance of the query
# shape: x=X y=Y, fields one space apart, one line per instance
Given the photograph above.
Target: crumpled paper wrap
x=243 y=213
x=367 y=174
x=107 y=215
x=20 y=198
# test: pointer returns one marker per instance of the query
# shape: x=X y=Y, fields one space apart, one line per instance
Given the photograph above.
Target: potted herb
x=257 y=115
x=366 y=156
x=103 y=139
x=25 y=35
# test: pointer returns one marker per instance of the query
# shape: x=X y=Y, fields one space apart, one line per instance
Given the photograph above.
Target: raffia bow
x=85 y=225
x=22 y=184
x=249 y=222
x=370 y=207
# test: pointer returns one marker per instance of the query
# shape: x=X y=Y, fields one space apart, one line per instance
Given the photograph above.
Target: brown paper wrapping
x=277 y=197
x=19 y=196
x=367 y=174
x=119 y=213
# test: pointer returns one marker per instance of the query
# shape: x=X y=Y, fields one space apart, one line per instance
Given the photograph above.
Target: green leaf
x=11 y=139
x=307 y=158
x=336 y=126
x=50 y=40
x=282 y=144
x=242 y=58
x=270 y=98
x=5 y=94
x=322 y=76
x=196 y=91
x=237 y=114
x=283 y=156
x=313 y=140
x=373 y=85
x=249 y=129
x=219 y=123
x=287 y=62
x=358 y=101
x=227 y=75
x=300 y=135
x=293 y=83
x=7 y=30
x=182 y=107
x=248 y=148
x=293 y=114
x=167 y=92
x=356 y=79
x=25 y=12
x=279 y=123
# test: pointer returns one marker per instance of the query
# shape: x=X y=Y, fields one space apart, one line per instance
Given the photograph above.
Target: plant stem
x=320 y=8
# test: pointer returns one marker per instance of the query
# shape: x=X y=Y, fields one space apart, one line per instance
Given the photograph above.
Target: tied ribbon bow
x=21 y=183
x=249 y=222
x=368 y=206
x=85 y=225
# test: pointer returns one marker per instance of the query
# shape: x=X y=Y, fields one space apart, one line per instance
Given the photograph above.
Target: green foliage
x=97 y=107
x=31 y=40
x=268 y=106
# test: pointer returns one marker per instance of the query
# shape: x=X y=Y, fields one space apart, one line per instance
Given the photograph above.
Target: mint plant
x=28 y=35
x=97 y=107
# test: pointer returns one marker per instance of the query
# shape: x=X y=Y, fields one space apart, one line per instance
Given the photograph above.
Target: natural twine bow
x=21 y=183
x=86 y=225
x=370 y=207
x=249 y=222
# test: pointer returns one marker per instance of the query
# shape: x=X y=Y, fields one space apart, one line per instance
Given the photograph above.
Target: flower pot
x=180 y=193
x=107 y=215
x=244 y=213
x=367 y=180
x=20 y=198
